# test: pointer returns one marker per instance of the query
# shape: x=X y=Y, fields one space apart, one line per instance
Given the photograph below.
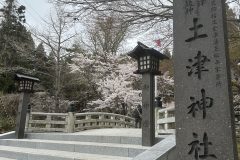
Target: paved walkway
x=129 y=132
x=123 y=132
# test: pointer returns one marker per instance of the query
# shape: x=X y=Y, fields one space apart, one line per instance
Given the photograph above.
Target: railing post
x=156 y=119
x=127 y=125
x=88 y=117
x=101 y=117
x=123 y=124
x=48 y=119
x=112 y=123
x=165 y=117
x=70 y=122
x=88 y=124
x=27 y=121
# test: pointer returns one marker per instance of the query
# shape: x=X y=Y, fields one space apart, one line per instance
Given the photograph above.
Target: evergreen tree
x=16 y=44
x=41 y=67
x=40 y=57
x=50 y=73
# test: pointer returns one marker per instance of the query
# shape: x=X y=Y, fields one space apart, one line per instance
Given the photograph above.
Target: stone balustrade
x=165 y=119
x=73 y=122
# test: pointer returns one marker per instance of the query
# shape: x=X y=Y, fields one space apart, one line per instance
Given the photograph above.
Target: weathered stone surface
x=203 y=99
x=163 y=150
x=8 y=135
x=148 y=126
x=21 y=114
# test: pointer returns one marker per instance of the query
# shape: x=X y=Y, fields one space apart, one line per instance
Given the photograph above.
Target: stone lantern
x=148 y=60
x=25 y=87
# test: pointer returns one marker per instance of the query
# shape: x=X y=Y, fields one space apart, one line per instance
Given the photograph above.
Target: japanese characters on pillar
x=204 y=119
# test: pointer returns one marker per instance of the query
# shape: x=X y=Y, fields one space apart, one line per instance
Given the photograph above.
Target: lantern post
x=25 y=87
x=148 y=65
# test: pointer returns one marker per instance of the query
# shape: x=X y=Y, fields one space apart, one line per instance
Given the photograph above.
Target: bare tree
x=132 y=11
x=141 y=15
x=150 y=12
x=235 y=2
x=56 y=37
x=106 y=34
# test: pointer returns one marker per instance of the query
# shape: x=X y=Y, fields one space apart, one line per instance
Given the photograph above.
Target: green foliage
x=8 y=110
x=79 y=87
x=16 y=45
x=43 y=67
x=234 y=48
x=7 y=83
x=7 y=124
x=15 y=40
x=234 y=37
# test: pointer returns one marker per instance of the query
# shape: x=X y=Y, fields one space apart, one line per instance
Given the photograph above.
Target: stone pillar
x=148 y=126
x=71 y=122
x=203 y=97
x=21 y=114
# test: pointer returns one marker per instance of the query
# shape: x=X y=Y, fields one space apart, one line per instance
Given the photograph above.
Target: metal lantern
x=25 y=82
x=148 y=59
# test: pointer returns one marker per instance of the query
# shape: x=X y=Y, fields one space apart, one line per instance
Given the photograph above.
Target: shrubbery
x=8 y=110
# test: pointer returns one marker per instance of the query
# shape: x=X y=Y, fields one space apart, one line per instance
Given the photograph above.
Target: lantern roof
x=143 y=50
x=26 y=77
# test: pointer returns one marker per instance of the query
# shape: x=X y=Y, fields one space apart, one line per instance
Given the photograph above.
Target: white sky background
x=36 y=11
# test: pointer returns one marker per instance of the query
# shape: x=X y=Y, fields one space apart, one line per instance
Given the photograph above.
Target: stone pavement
x=98 y=144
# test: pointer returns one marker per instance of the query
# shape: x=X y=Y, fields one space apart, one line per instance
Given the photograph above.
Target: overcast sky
x=36 y=11
x=39 y=9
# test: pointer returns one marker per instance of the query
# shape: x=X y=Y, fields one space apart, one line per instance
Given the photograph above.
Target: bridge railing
x=94 y=120
x=50 y=122
x=166 y=121
x=70 y=122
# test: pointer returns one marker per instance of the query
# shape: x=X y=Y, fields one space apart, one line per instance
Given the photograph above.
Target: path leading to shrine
x=97 y=144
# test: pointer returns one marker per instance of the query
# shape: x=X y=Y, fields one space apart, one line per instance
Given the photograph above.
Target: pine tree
x=40 y=58
x=16 y=44
x=41 y=67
